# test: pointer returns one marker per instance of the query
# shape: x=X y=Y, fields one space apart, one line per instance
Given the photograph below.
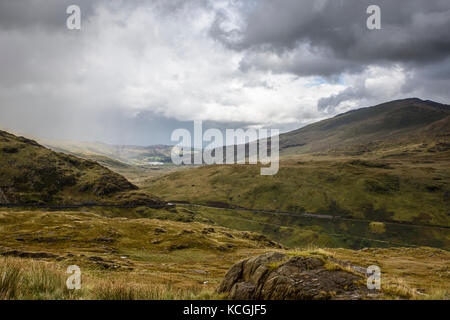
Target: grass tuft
x=24 y=279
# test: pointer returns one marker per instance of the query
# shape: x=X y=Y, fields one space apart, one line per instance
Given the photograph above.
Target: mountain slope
x=31 y=173
x=388 y=163
x=373 y=128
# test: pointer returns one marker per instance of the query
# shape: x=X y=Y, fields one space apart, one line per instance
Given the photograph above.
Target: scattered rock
x=10 y=149
x=199 y=271
x=32 y=255
x=219 y=248
x=186 y=232
x=102 y=239
x=159 y=231
x=280 y=277
x=177 y=247
x=47 y=239
x=208 y=230
x=98 y=259
x=260 y=238
x=103 y=265
x=3 y=198
x=229 y=235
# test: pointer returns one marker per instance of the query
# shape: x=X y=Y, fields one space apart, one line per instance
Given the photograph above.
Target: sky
x=137 y=70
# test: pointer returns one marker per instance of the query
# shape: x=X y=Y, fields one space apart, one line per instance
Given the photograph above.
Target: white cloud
x=384 y=82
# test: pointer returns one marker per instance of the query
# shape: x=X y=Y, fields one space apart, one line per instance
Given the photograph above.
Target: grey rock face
x=276 y=276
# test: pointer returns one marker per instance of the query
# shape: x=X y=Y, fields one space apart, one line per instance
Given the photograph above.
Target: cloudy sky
x=139 y=69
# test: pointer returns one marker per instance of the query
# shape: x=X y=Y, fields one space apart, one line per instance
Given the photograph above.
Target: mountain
x=391 y=128
x=379 y=166
x=370 y=129
x=373 y=128
x=31 y=173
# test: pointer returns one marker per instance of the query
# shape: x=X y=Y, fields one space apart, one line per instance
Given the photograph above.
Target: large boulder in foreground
x=277 y=276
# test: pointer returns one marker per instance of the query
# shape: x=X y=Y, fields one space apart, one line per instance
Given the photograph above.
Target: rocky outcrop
x=276 y=276
x=3 y=198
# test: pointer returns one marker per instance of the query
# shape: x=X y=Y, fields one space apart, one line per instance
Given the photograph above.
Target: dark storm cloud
x=431 y=81
x=329 y=38
x=412 y=31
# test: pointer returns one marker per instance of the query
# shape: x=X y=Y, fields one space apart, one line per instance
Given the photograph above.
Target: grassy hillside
x=366 y=130
x=380 y=190
x=124 y=258
x=148 y=258
x=31 y=173
x=388 y=163
x=294 y=230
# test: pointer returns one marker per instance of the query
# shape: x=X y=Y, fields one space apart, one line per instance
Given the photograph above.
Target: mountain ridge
x=392 y=122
